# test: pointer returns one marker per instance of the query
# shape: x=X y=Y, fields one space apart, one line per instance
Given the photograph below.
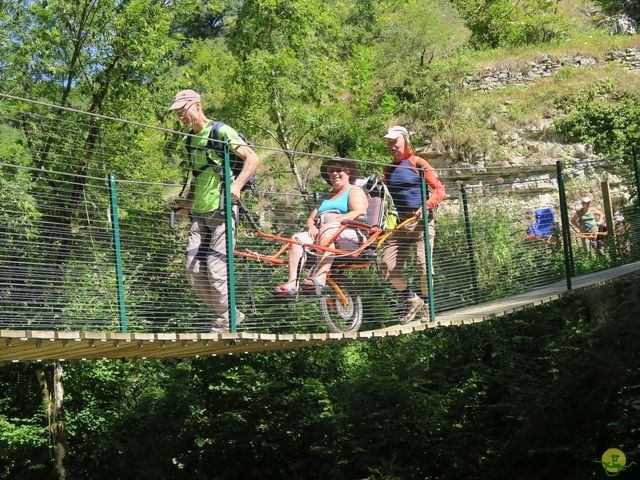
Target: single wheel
x=341 y=306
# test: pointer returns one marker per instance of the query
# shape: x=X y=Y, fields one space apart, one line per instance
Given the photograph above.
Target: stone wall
x=629 y=57
x=546 y=66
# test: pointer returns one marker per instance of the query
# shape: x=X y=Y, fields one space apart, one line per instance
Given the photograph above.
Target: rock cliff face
x=530 y=167
x=530 y=171
x=620 y=25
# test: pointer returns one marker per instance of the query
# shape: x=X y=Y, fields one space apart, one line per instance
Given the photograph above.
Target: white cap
x=395 y=132
x=585 y=200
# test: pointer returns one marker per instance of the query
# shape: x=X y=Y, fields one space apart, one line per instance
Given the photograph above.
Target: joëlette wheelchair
x=340 y=300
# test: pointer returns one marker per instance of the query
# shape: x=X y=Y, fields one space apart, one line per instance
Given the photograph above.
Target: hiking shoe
x=223 y=326
x=424 y=314
x=412 y=307
x=239 y=317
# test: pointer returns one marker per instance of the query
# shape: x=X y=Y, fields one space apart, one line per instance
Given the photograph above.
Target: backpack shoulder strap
x=187 y=142
x=211 y=145
x=214 y=138
x=385 y=173
x=186 y=184
x=421 y=162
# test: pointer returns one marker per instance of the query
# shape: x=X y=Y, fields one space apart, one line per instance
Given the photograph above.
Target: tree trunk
x=284 y=142
x=53 y=397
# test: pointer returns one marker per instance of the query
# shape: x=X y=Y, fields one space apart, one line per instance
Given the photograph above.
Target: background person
x=620 y=227
x=344 y=202
x=206 y=248
x=402 y=178
x=586 y=220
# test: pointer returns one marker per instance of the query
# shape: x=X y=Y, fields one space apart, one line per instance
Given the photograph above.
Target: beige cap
x=183 y=97
x=585 y=200
x=395 y=132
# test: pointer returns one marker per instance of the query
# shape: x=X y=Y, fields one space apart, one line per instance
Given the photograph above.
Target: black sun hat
x=348 y=165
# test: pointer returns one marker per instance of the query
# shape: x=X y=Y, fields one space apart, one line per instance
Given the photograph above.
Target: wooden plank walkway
x=36 y=345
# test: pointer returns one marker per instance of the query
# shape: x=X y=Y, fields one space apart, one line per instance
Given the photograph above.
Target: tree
x=506 y=23
x=413 y=33
x=98 y=55
x=287 y=72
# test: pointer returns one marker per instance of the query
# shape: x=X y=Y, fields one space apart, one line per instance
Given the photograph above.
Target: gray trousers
x=207 y=262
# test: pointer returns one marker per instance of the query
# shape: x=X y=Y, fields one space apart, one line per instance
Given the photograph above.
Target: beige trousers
x=397 y=250
x=207 y=262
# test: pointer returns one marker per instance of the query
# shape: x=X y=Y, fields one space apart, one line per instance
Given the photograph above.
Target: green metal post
x=116 y=241
x=566 y=232
x=228 y=208
x=470 y=252
x=634 y=151
x=427 y=244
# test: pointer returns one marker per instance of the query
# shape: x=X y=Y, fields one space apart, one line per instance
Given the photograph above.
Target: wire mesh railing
x=65 y=266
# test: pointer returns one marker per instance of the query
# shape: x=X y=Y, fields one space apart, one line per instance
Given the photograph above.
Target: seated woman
x=344 y=202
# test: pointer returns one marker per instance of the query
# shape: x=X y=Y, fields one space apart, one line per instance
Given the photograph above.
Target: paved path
x=21 y=345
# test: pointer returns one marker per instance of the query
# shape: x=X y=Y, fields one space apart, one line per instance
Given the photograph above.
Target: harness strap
x=212 y=144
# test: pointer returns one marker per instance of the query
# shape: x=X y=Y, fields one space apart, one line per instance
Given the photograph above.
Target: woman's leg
x=296 y=251
x=326 y=260
x=295 y=254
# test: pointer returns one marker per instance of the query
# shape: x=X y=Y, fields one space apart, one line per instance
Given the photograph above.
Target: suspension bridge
x=37 y=345
x=92 y=257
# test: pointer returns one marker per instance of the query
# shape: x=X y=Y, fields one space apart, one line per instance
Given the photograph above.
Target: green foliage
x=288 y=59
x=19 y=440
x=619 y=6
x=439 y=102
x=604 y=117
x=63 y=51
x=444 y=404
x=505 y=263
x=202 y=20
x=404 y=46
x=23 y=429
x=16 y=189
x=506 y=23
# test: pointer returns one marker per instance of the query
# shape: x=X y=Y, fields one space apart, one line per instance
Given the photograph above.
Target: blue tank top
x=403 y=182
x=341 y=203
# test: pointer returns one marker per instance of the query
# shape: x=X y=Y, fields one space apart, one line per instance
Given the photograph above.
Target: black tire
x=339 y=317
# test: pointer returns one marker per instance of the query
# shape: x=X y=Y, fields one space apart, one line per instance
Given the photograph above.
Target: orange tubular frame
x=382 y=238
x=374 y=233
x=338 y=290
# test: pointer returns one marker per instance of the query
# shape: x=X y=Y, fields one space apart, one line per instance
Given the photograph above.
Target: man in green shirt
x=206 y=248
